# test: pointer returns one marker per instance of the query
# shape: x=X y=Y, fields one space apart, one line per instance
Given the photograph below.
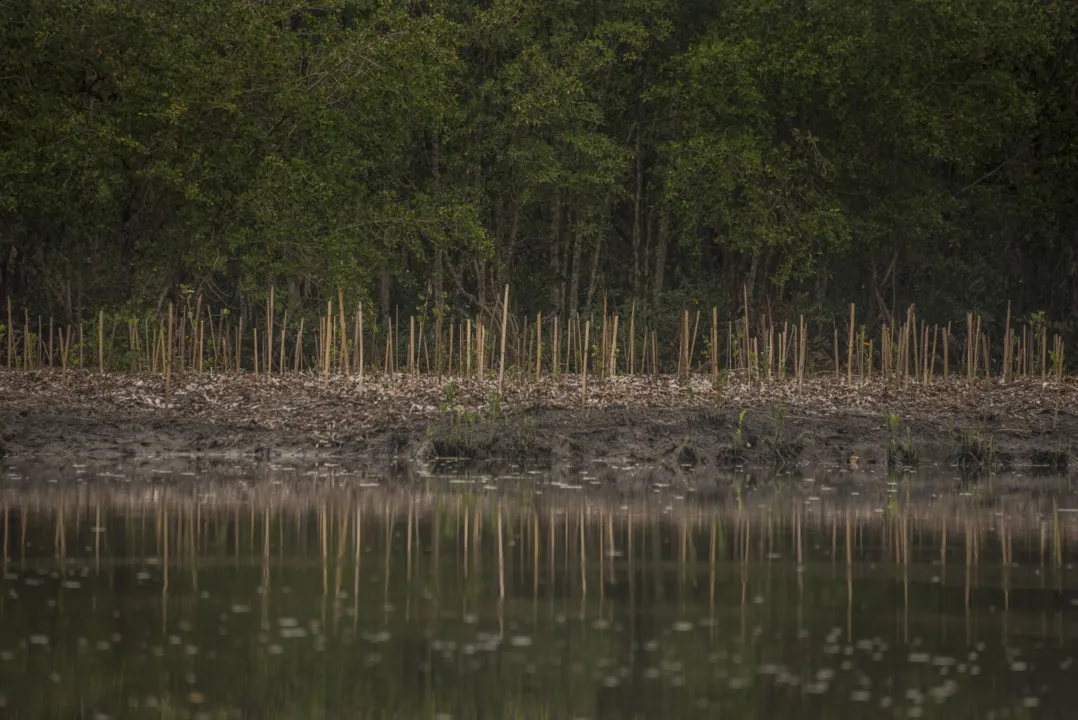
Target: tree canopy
x=818 y=152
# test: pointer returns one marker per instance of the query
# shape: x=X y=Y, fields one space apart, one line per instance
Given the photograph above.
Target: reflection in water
x=324 y=595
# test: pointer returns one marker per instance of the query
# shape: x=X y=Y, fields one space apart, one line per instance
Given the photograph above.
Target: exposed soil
x=658 y=424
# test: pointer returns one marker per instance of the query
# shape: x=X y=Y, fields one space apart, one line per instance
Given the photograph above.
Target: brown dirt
x=654 y=424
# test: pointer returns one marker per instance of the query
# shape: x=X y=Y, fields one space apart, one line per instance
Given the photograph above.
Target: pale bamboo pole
x=166 y=359
x=538 y=345
x=344 y=333
x=584 y=374
x=299 y=347
x=505 y=321
x=281 y=357
x=613 y=364
x=555 y=356
x=10 y=335
x=411 y=345
x=327 y=340
x=269 y=334
x=101 y=337
x=360 y=344
x=849 y=350
x=745 y=293
x=632 y=339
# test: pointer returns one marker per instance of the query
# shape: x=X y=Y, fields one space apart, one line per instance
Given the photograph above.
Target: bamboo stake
x=65 y=348
x=692 y=345
x=327 y=340
x=849 y=353
x=1008 y=370
x=360 y=313
x=281 y=356
x=946 y=351
x=166 y=358
x=614 y=349
x=538 y=345
x=714 y=344
x=932 y=359
x=505 y=319
x=632 y=339
x=355 y=338
x=388 y=346
x=50 y=341
x=10 y=335
x=976 y=348
x=255 y=353
x=745 y=293
x=183 y=339
x=836 y=353
x=344 y=333
x=449 y=370
x=201 y=340
x=555 y=356
x=411 y=345
x=26 y=362
x=101 y=338
x=584 y=374
x=468 y=347
x=269 y=334
x=299 y=348
x=801 y=353
x=1044 y=353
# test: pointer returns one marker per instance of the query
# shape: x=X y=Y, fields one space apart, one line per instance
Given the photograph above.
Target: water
x=286 y=593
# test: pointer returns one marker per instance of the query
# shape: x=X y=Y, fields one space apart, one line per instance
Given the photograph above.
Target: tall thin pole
x=505 y=320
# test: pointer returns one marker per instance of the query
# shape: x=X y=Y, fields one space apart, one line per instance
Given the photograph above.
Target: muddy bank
x=657 y=424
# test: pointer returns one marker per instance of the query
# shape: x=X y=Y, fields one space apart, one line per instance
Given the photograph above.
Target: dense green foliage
x=415 y=153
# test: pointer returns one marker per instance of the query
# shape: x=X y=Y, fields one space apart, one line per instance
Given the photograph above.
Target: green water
x=269 y=592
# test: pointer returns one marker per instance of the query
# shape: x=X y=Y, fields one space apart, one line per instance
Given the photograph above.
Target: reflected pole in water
x=355 y=569
x=338 y=572
x=22 y=537
x=97 y=536
x=583 y=565
x=411 y=506
x=553 y=550
x=969 y=566
x=501 y=557
x=712 y=550
x=535 y=562
x=602 y=563
x=849 y=580
x=236 y=537
x=164 y=561
x=389 y=551
x=467 y=518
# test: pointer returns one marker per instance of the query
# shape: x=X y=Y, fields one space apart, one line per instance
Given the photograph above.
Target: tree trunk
x=574 y=278
x=660 y=254
x=557 y=280
x=636 y=211
x=592 y=281
x=383 y=299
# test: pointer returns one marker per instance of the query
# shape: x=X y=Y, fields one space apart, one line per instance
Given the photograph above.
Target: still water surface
x=307 y=592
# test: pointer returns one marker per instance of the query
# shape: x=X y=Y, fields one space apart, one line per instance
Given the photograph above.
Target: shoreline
x=653 y=424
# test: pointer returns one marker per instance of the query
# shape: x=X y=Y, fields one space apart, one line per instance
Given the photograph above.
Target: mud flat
x=661 y=424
